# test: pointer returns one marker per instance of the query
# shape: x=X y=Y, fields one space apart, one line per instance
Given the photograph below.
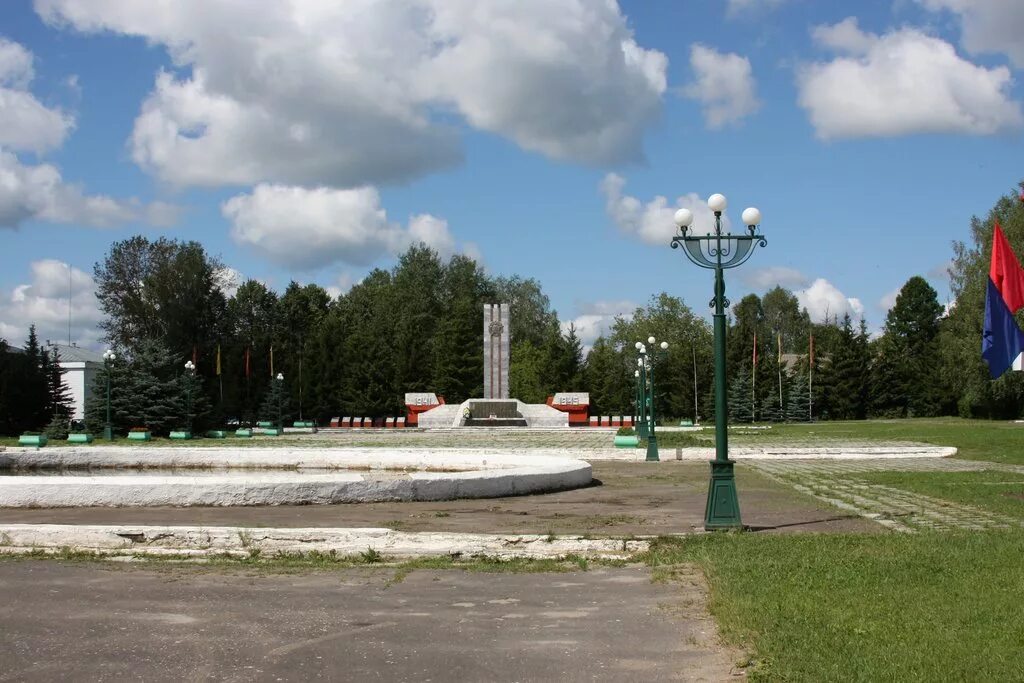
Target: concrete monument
x=496 y=350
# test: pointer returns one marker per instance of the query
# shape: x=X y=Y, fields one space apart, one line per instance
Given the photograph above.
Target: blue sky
x=316 y=142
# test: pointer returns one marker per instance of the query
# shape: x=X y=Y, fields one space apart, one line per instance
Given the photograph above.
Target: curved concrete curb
x=241 y=541
x=779 y=453
x=241 y=477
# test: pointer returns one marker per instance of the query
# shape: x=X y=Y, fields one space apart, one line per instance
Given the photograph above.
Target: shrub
x=625 y=431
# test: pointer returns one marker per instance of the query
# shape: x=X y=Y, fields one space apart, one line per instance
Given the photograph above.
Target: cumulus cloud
x=901 y=83
x=768 y=277
x=987 y=26
x=823 y=300
x=38 y=192
x=26 y=124
x=653 y=222
x=595 y=319
x=342 y=284
x=736 y=8
x=361 y=93
x=724 y=86
x=309 y=229
x=43 y=301
x=889 y=299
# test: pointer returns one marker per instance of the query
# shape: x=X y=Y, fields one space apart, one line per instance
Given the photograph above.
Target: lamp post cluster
x=108 y=357
x=644 y=375
x=719 y=250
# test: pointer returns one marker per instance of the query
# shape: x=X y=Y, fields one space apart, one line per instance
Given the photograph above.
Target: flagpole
x=810 y=383
x=694 y=349
x=782 y=408
x=753 y=381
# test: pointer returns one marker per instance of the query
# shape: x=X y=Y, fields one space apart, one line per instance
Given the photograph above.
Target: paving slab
x=68 y=621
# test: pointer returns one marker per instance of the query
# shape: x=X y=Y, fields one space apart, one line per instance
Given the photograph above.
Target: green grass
x=993 y=490
x=924 y=607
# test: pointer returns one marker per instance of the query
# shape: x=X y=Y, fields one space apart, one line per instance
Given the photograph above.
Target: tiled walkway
x=837 y=482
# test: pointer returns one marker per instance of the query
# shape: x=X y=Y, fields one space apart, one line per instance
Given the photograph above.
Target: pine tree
x=276 y=404
x=58 y=393
x=797 y=404
x=741 y=408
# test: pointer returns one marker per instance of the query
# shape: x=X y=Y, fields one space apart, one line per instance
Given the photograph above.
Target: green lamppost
x=718 y=251
x=108 y=358
x=280 y=391
x=190 y=373
x=652 y=437
x=636 y=402
x=641 y=430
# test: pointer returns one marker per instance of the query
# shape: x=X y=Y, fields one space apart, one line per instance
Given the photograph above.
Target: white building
x=80 y=367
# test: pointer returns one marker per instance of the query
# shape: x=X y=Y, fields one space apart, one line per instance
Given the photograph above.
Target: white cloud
x=359 y=93
x=770 y=276
x=342 y=284
x=724 y=86
x=988 y=25
x=44 y=302
x=26 y=124
x=653 y=222
x=310 y=229
x=941 y=271
x=596 y=318
x=900 y=83
x=889 y=299
x=38 y=192
x=824 y=300
x=737 y=7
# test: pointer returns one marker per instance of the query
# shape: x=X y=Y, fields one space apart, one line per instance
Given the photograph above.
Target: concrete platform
x=244 y=477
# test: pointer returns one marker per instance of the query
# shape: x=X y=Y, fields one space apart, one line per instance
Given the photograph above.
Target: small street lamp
x=280 y=390
x=636 y=402
x=190 y=373
x=108 y=358
x=719 y=251
x=652 y=438
x=641 y=363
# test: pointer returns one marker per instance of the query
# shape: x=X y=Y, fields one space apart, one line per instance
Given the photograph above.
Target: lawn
x=900 y=607
x=993 y=490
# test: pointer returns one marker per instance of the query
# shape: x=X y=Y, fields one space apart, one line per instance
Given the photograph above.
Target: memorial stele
x=496 y=408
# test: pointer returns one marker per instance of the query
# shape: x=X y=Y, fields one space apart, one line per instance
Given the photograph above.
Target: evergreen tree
x=905 y=378
x=741 y=407
x=276 y=404
x=798 y=401
x=847 y=376
x=526 y=373
x=58 y=393
x=608 y=380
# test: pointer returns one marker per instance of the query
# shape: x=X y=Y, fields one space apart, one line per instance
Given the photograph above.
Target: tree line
x=418 y=327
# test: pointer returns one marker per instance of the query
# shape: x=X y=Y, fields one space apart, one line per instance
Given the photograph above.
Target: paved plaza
x=96 y=622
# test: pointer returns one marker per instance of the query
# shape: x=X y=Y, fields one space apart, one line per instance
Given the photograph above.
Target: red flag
x=1005 y=271
x=755 y=347
x=812 y=350
x=248 y=369
x=195 y=355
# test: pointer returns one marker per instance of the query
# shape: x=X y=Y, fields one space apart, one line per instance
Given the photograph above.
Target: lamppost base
x=652 y=449
x=723 y=506
x=108 y=433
